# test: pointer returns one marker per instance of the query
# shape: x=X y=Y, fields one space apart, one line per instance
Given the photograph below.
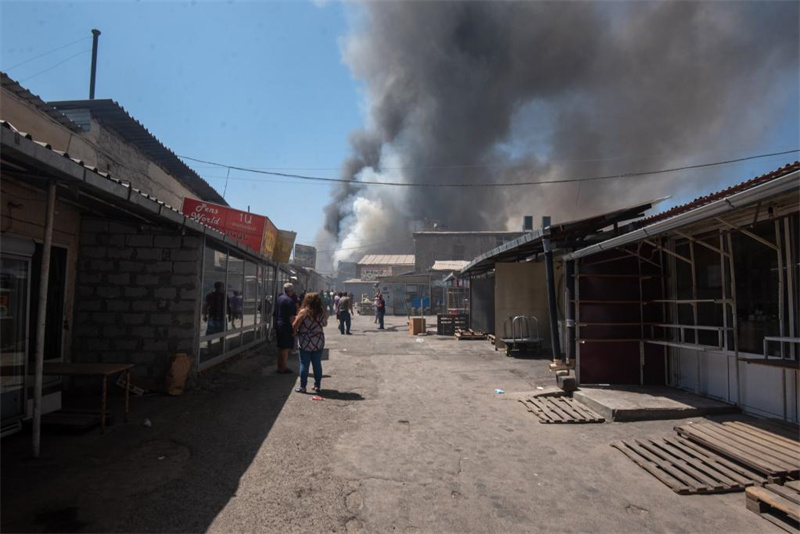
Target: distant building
x=373 y=266
x=430 y=247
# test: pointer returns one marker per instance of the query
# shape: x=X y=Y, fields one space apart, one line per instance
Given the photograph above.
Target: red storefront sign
x=246 y=228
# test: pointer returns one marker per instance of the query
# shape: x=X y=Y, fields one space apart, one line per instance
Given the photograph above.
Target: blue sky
x=257 y=84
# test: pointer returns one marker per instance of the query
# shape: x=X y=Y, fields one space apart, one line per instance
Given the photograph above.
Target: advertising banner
x=253 y=231
x=270 y=239
x=283 y=246
x=305 y=256
x=373 y=272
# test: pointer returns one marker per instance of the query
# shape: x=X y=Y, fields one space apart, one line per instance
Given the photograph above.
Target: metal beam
x=41 y=325
x=748 y=234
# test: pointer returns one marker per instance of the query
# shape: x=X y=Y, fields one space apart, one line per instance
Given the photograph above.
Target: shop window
x=250 y=294
x=756 y=268
x=214 y=316
x=235 y=289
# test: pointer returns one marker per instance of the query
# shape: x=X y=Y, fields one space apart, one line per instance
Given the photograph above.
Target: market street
x=410 y=437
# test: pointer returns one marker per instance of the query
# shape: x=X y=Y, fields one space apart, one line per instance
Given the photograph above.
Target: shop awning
x=37 y=163
x=568 y=235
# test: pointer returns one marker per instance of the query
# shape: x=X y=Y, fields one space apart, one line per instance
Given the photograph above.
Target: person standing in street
x=285 y=313
x=380 y=310
x=345 y=312
x=309 y=326
x=336 y=299
x=375 y=306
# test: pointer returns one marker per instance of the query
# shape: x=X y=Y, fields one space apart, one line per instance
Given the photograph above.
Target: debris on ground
x=147 y=423
x=317 y=398
x=499 y=391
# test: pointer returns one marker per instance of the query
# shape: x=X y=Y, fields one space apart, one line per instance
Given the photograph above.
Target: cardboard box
x=416 y=325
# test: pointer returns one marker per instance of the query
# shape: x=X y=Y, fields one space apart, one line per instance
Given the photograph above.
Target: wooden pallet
x=686 y=467
x=779 y=505
x=774 y=456
x=560 y=410
x=469 y=334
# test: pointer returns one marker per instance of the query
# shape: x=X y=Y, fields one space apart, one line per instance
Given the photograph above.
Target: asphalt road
x=410 y=437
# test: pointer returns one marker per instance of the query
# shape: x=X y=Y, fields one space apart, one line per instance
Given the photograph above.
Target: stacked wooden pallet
x=687 y=468
x=469 y=334
x=775 y=456
x=779 y=505
x=560 y=410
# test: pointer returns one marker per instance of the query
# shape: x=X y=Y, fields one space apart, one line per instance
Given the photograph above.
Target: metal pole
x=569 y=308
x=735 y=317
x=41 y=324
x=95 y=37
x=694 y=319
x=551 y=300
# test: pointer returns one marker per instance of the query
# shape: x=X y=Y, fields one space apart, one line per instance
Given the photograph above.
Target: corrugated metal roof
x=712 y=197
x=110 y=187
x=451 y=265
x=387 y=259
x=20 y=92
x=113 y=116
x=570 y=234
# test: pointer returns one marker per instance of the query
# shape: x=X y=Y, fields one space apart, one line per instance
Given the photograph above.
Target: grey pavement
x=410 y=437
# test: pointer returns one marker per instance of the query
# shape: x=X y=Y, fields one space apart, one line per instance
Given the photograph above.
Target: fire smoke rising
x=508 y=91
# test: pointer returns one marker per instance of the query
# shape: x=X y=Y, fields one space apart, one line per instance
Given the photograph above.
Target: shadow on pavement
x=340 y=395
x=174 y=476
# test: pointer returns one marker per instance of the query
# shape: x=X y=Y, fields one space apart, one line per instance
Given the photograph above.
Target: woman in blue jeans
x=309 y=326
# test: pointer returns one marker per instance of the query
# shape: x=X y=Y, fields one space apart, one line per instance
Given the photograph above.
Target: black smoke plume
x=461 y=92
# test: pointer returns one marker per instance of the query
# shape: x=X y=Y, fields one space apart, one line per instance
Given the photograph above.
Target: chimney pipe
x=96 y=35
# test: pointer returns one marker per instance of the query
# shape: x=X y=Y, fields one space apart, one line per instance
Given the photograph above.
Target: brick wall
x=137 y=295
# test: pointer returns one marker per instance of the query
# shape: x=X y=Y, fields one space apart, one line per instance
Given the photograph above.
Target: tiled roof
x=110 y=186
x=387 y=259
x=23 y=94
x=451 y=265
x=113 y=116
x=712 y=197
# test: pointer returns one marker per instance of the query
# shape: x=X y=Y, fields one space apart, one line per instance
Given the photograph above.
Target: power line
x=633 y=174
x=46 y=53
x=457 y=166
x=56 y=65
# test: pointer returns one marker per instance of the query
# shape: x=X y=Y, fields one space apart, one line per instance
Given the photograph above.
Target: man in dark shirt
x=345 y=313
x=285 y=312
x=214 y=308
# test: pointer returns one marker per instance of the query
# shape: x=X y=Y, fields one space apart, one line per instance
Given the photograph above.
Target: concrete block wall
x=137 y=295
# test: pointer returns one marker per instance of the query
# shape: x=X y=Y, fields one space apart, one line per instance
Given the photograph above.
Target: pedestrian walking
x=345 y=312
x=309 y=326
x=285 y=313
x=336 y=299
x=380 y=310
x=375 y=306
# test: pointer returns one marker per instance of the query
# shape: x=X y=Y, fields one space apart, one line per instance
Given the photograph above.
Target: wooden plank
x=771 y=437
x=565 y=405
x=788 y=461
x=673 y=483
x=703 y=465
x=557 y=410
x=545 y=414
x=730 y=449
x=730 y=469
x=689 y=481
x=794 y=484
x=702 y=479
x=764 y=453
x=788 y=451
x=782 y=428
x=589 y=414
x=787 y=493
x=776 y=501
